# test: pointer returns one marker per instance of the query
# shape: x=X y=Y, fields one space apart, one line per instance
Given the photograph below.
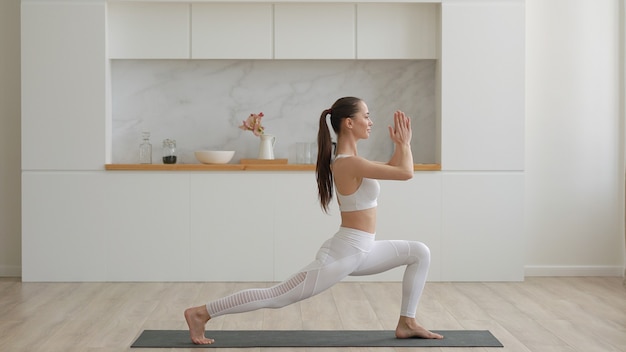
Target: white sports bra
x=365 y=197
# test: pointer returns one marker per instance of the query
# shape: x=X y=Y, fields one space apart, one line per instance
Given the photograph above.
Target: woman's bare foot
x=197 y=317
x=408 y=327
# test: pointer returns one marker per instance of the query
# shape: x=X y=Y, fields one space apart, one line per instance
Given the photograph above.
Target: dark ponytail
x=324 y=156
x=342 y=108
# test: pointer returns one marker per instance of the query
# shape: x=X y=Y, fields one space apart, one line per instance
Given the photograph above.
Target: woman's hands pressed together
x=401 y=132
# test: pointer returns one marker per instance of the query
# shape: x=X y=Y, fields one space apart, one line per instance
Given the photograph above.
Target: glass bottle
x=169 y=151
x=145 y=149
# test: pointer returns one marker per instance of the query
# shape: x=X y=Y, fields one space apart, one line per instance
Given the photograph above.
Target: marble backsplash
x=201 y=103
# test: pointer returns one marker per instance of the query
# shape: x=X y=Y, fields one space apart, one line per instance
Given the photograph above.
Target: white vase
x=266 y=149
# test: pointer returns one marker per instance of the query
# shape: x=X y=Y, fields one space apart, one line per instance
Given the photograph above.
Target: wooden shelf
x=234 y=167
x=426 y=167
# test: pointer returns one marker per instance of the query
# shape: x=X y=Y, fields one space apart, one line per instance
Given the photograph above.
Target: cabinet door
x=232 y=226
x=397 y=31
x=314 y=31
x=483 y=226
x=98 y=226
x=64 y=226
x=482 y=85
x=231 y=31
x=148 y=30
x=63 y=85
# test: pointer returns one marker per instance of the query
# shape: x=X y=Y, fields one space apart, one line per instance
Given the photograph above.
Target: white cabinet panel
x=232 y=217
x=231 y=31
x=483 y=227
x=63 y=85
x=482 y=85
x=314 y=31
x=63 y=227
x=148 y=30
x=97 y=226
x=397 y=31
x=147 y=235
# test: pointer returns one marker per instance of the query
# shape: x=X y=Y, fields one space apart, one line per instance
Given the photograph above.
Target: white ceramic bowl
x=214 y=156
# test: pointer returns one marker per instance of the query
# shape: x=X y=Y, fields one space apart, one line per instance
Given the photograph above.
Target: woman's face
x=361 y=124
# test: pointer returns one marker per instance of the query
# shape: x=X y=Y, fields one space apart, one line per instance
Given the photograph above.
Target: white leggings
x=348 y=252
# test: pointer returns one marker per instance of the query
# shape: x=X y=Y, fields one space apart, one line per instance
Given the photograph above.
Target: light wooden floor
x=540 y=314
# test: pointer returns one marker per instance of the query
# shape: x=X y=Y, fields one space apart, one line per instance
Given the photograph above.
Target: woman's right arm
x=399 y=167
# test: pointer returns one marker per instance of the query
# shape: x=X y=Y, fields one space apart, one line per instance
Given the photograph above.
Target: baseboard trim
x=529 y=270
x=574 y=270
x=10 y=271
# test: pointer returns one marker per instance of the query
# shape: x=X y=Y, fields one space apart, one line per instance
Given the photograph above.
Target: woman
x=352 y=250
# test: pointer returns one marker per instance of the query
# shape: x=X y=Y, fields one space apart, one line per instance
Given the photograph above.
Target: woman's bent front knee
x=420 y=250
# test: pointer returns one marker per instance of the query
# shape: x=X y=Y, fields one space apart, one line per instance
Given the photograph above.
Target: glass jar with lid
x=169 y=151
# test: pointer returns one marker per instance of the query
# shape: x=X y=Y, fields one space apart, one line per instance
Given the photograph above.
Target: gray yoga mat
x=313 y=338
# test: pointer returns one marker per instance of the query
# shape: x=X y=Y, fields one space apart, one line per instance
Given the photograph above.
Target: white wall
x=10 y=198
x=574 y=144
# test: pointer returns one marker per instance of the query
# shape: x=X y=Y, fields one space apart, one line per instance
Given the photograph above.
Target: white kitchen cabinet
x=157 y=30
x=256 y=226
x=99 y=226
x=314 y=31
x=80 y=223
x=232 y=226
x=397 y=31
x=148 y=30
x=64 y=228
x=147 y=226
x=482 y=85
x=231 y=31
x=63 y=85
x=483 y=226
